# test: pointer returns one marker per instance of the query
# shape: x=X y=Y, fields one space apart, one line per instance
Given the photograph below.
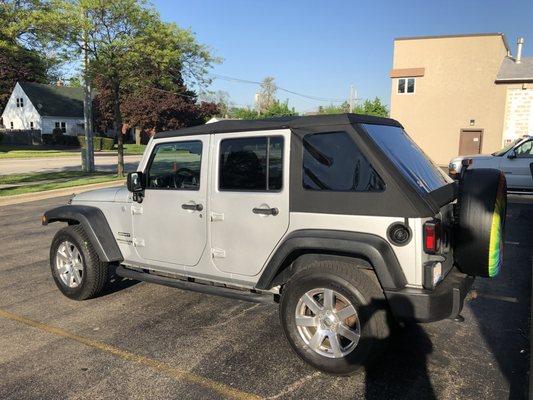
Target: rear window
x=414 y=164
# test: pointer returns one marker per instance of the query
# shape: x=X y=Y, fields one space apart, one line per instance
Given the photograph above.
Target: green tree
x=276 y=109
x=369 y=107
x=24 y=41
x=373 y=107
x=130 y=48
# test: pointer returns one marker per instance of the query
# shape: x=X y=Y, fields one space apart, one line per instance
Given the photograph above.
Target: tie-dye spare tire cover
x=479 y=240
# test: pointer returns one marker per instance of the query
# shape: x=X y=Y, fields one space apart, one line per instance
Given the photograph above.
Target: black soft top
x=278 y=123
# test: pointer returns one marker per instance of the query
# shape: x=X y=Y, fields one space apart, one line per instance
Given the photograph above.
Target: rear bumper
x=422 y=305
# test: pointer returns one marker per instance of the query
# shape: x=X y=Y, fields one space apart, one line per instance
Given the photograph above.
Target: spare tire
x=479 y=238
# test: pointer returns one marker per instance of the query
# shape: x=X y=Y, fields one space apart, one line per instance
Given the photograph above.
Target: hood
x=473 y=157
x=105 y=194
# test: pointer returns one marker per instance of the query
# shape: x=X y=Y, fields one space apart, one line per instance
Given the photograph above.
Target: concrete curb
x=47 y=194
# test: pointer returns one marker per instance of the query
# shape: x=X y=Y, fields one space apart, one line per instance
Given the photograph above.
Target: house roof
x=277 y=123
x=511 y=72
x=55 y=101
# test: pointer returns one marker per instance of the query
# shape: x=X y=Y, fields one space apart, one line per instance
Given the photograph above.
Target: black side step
x=196 y=287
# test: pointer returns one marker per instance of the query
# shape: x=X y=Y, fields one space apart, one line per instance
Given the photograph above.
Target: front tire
x=76 y=267
x=335 y=316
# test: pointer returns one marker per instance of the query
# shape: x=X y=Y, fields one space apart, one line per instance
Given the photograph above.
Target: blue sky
x=319 y=48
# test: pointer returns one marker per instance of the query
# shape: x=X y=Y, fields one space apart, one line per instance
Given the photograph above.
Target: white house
x=44 y=107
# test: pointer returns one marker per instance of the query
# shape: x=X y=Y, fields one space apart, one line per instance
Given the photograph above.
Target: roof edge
x=460 y=35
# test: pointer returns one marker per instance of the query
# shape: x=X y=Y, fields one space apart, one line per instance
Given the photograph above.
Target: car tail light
x=432 y=237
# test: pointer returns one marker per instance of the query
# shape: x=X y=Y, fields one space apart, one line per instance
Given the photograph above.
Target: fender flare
x=95 y=224
x=375 y=251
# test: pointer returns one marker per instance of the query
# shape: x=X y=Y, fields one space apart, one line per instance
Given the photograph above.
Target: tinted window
x=408 y=157
x=332 y=161
x=401 y=85
x=410 y=85
x=175 y=166
x=252 y=164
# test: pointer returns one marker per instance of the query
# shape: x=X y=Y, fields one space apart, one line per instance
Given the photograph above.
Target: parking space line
x=158 y=366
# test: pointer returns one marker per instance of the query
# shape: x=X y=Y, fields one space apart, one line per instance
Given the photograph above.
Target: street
x=53 y=164
x=149 y=341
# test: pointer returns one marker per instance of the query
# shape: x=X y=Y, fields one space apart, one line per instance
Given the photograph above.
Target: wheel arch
x=95 y=224
x=309 y=245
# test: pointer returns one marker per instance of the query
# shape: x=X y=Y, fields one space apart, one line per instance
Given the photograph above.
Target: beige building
x=461 y=94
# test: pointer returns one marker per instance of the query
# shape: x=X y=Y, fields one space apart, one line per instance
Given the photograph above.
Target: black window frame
x=384 y=185
x=267 y=169
x=151 y=160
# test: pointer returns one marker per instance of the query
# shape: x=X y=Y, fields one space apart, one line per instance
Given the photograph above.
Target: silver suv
x=341 y=219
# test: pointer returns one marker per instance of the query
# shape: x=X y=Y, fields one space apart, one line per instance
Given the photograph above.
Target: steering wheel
x=183 y=175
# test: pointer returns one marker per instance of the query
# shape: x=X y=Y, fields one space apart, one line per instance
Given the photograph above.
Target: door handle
x=192 y=206
x=266 y=211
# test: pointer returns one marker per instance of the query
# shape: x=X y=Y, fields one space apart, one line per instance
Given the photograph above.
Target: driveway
x=52 y=164
x=147 y=341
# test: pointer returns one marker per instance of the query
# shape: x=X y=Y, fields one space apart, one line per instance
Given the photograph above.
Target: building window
x=406 y=85
x=62 y=126
x=11 y=124
x=31 y=125
x=20 y=102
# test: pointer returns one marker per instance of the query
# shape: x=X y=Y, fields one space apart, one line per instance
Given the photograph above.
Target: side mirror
x=511 y=154
x=135 y=182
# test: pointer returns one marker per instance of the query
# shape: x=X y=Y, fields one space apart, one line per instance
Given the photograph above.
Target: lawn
x=39 y=182
x=33 y=151
x=133 y=149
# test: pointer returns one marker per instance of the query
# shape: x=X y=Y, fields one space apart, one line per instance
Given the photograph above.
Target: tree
x=23 y=42
x=369 y=107
x=373 y=107
x=276 y=109
x=267 y=94
x=130 y=48
x=334 y=109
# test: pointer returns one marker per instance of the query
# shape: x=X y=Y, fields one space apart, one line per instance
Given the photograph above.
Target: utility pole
x=353 y=97
x=88 y=165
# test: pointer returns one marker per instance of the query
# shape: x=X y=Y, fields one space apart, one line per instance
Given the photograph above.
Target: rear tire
x=76 y=267
x=321 y=337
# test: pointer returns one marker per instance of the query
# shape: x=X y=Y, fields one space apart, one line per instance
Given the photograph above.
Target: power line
x=317 y=98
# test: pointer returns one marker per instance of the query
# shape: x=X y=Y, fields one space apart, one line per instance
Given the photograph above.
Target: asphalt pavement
x=149 y=341
x=57 y=164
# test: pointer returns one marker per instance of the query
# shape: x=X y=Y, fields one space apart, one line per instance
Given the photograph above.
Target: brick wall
x=518 y=113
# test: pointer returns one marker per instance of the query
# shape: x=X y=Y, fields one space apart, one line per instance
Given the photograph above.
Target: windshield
x=501 y=152
x=414 y=164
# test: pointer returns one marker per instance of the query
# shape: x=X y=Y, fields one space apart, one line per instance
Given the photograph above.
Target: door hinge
x=138 y=242
x=218 y=253
x=217 y=216
x=136 y=210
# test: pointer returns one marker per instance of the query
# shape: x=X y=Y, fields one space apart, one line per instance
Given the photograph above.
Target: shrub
x=1 y=137
x=107 y=143
x=57 y=136
x=47 y=138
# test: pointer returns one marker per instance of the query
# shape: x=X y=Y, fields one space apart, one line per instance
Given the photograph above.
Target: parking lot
x=151 y=341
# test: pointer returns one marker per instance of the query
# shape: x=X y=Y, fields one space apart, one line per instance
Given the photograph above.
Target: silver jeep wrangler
x=341 y=219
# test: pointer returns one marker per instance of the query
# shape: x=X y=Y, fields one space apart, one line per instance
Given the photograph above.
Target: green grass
x=51 y=180
x=133 y=149
x=32 y=152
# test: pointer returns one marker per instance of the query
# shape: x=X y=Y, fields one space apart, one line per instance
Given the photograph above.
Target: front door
x=470 y=142
x=250 y=199
x=169 y=225
x=517 y=169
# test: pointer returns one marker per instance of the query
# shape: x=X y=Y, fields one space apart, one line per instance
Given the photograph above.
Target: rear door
x=470 y=142
x=250 y=199
x=518 y=169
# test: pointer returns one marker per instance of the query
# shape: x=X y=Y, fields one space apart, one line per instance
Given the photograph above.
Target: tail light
x=432 y=233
